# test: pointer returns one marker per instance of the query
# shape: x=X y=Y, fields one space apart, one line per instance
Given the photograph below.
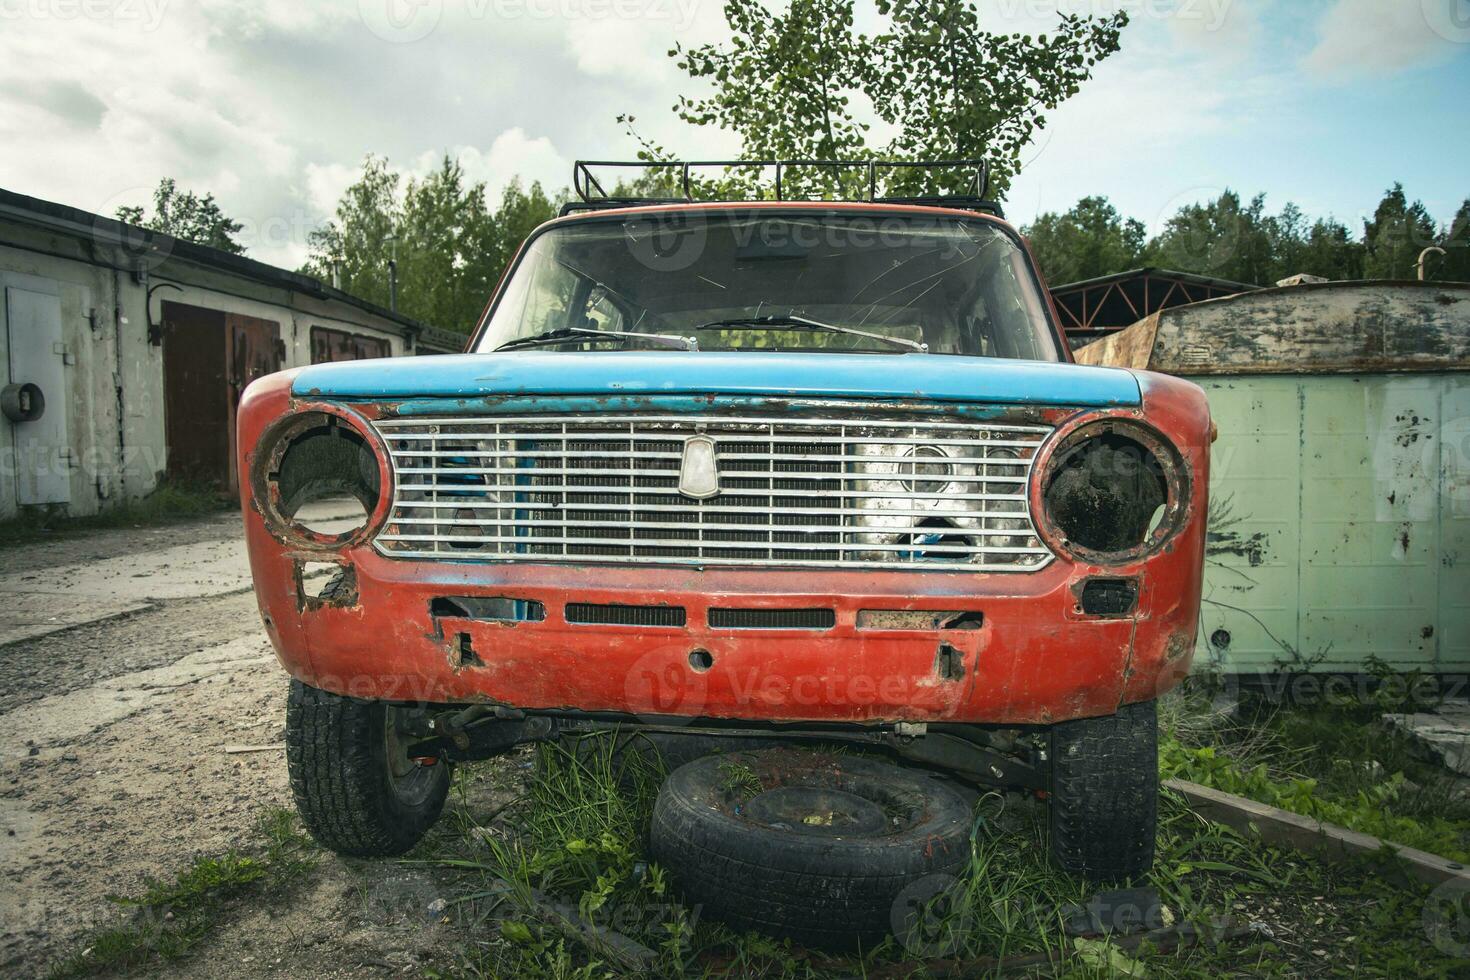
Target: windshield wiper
x=792 y=320
x=570 y=334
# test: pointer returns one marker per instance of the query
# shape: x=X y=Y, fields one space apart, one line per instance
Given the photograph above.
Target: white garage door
x=42 y=461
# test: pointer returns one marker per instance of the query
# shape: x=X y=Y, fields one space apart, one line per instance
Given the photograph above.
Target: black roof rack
x=594 y=196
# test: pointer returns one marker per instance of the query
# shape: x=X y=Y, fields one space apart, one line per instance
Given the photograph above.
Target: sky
x=272 y=105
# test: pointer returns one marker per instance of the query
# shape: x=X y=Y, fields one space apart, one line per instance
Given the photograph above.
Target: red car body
x=1036 y=658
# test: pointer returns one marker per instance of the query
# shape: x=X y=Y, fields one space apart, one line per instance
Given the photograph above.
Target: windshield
x=737 y=281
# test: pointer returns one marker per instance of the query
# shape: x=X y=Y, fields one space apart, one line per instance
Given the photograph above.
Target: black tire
x=823 y=887
x=1104 y=798
x=338 y=588
x=337 y=753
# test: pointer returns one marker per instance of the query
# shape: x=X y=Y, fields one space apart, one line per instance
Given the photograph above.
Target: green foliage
x=450 y=246
x=1333 y=761
x=1221 y=238
x=1090 y=240
x=954 y=90
x=169 y=918
x=186 y=216
x=804 y=83
x=1454 y=266
x=578 y=838
x=578 y=835
x=1228 y=238
x=1395 y=235
x=739 y=778
x=1371 y=810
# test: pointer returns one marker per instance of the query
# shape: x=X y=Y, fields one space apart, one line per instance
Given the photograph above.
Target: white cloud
x=511 y=154
x=1358 y=38
x=327 y=182
x=635 y=48
x=273 y=104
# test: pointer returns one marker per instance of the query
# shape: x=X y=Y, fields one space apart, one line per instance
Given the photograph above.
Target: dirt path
x=113 y=771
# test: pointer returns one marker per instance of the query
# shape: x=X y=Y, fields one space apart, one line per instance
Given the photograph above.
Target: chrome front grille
x=899 y=493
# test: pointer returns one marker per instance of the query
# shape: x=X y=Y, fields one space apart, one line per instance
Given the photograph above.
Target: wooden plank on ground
x=1282 y=828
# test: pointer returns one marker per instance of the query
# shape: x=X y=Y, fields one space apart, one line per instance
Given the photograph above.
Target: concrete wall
x=114 y=383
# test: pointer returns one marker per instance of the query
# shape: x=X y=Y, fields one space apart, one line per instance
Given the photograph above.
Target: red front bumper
x=1036 y=659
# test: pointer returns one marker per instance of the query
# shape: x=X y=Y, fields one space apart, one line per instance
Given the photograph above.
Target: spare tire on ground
x=814 y=846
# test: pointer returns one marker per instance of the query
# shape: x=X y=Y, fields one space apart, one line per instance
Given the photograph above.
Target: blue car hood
x=927 y=377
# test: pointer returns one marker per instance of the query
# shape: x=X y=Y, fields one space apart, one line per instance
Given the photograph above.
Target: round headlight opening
x=1112 y=491
x=321 y=480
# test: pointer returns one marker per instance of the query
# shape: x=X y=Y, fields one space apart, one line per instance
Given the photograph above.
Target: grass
x=1333 y=760
x=577 y=835
x=171 y=502
x=567 y=824
x=168 y=919
x=737 y=778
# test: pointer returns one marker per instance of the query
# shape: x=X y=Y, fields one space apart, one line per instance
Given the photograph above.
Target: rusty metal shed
x=1094 y=308
x=1340 y=484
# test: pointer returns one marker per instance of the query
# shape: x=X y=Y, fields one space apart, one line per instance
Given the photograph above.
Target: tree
x=1330 y=252
x=450 y=248
x=1219 y=238
x=1455 y=266
x=1088 y=241
x=186 y=216
x=354 y=250
x=788 y=84
x=1395 y=235
x=954 y=90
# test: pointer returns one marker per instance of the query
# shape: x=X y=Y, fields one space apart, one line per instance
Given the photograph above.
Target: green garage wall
x=1340 y=527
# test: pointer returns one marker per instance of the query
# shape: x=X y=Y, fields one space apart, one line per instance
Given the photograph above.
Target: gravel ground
x=113 y=771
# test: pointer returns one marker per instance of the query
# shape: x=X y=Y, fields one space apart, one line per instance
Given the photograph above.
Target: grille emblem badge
x=699 y=473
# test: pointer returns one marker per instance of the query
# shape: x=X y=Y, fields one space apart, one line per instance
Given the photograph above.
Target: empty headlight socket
x=339 y=454
x=1081 y=484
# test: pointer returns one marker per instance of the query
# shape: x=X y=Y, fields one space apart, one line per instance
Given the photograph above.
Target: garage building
x=126 y=351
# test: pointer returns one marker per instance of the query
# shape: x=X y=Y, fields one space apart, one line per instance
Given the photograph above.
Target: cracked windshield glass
x=740 y=282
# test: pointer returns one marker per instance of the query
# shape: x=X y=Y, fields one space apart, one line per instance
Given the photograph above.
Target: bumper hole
x=701 y=660
x=1109 y=596
x=498 y=609
x=919 y=619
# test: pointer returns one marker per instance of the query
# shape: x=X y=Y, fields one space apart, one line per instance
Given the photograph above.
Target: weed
x=577 y=838
x=1334 y=762
x=169 y=503
x=168 y=919
x=738 y=779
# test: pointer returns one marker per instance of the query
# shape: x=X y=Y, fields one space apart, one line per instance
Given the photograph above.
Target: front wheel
x=356 y=788
x=1105 y=793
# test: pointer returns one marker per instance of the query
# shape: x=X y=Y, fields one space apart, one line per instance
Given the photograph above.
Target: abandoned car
x=784 y=470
